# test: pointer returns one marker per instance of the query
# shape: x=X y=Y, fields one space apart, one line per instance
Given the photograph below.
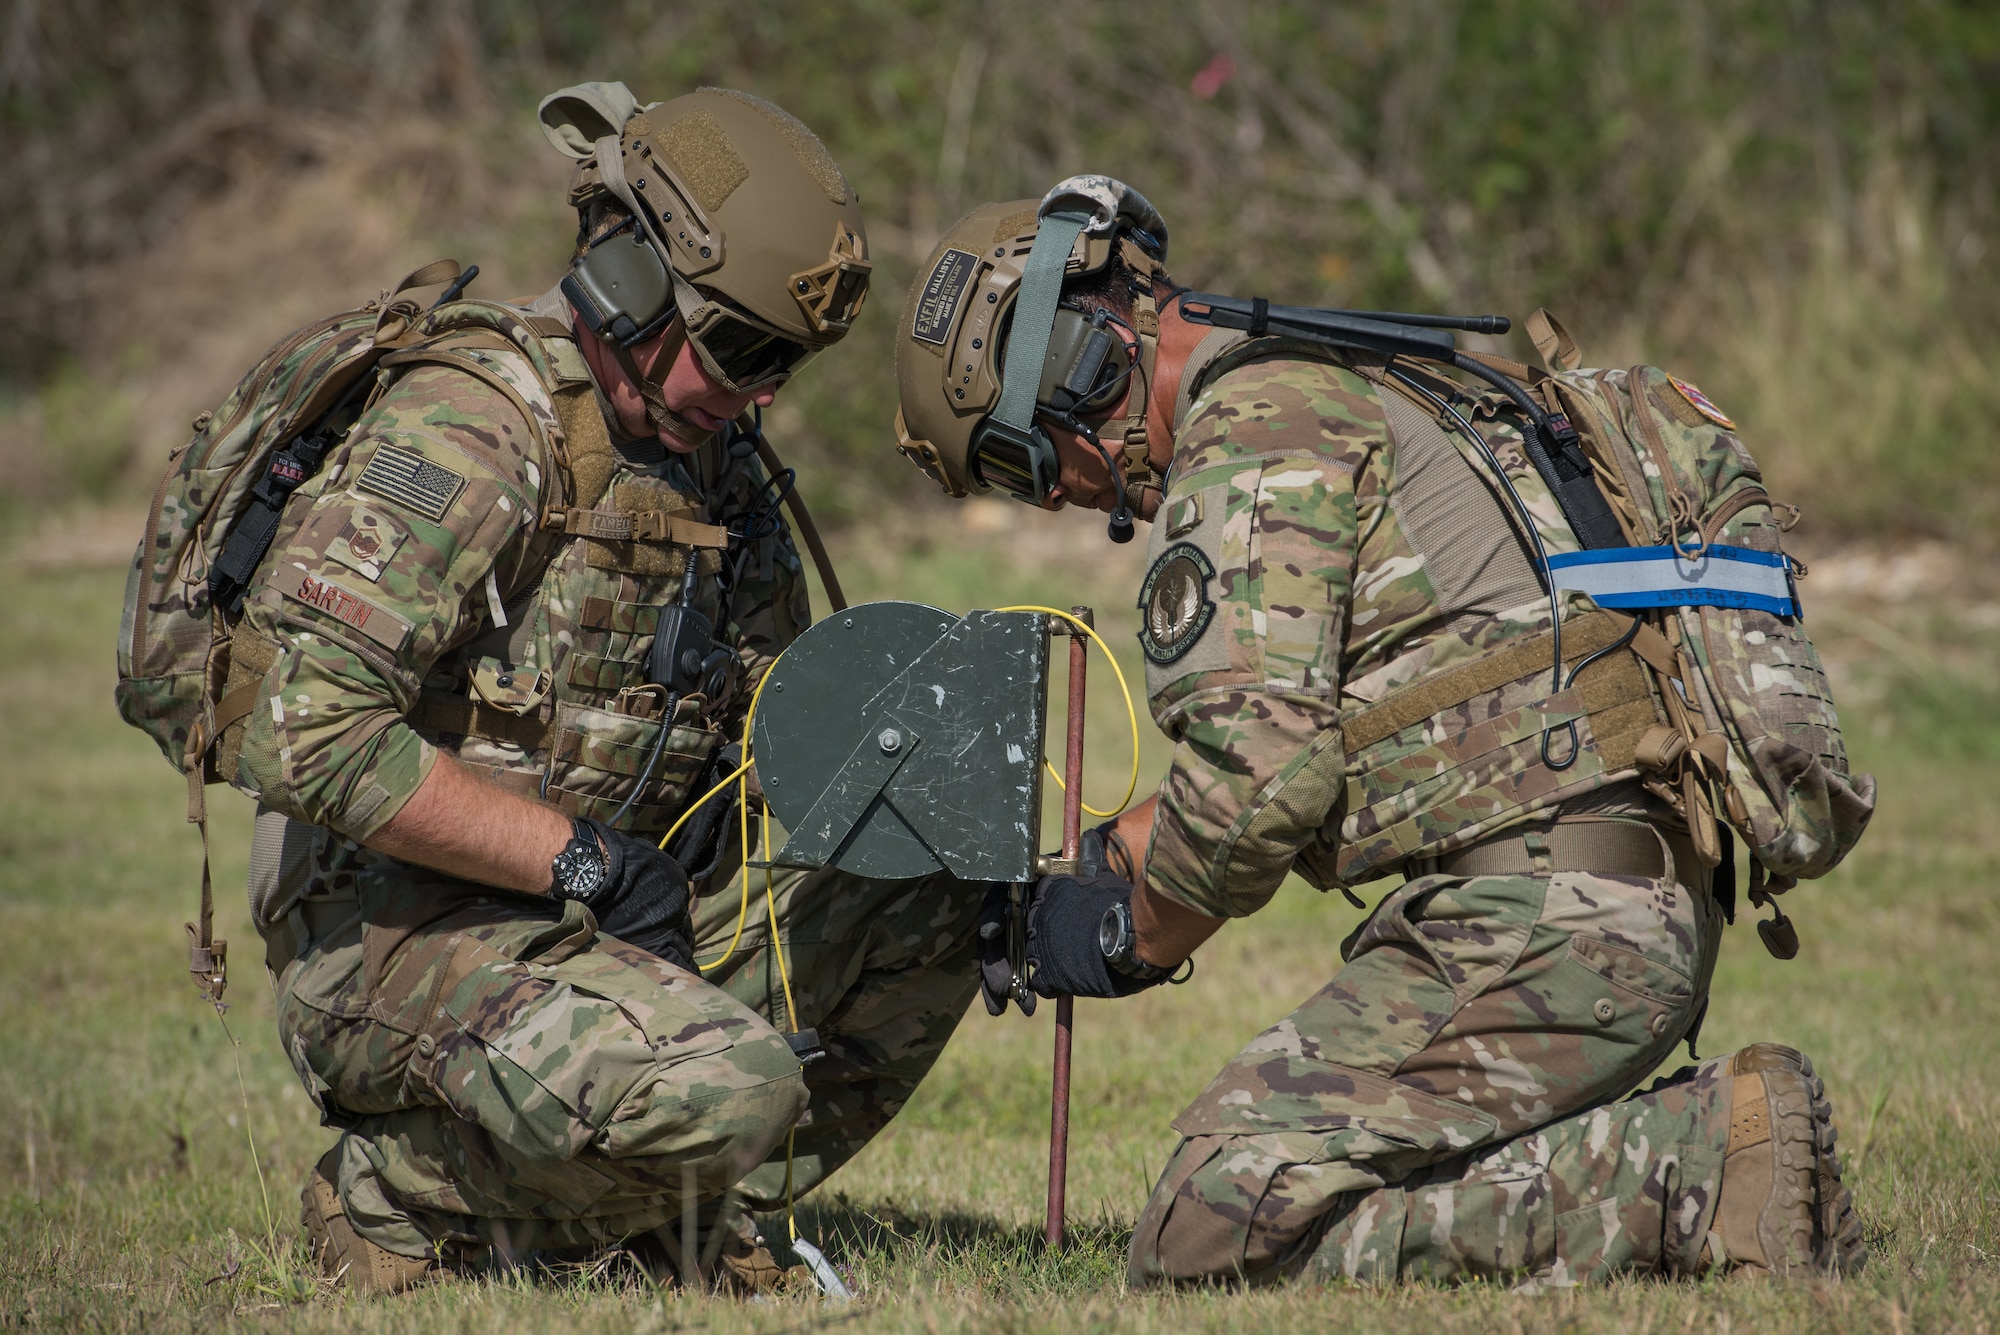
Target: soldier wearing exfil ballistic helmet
x=505 y=634
x=1349 y=618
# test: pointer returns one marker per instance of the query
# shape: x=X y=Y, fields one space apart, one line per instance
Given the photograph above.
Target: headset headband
x=1035 y=318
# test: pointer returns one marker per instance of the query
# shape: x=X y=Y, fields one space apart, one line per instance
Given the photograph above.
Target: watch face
x=579 y=870
x=1110 y=933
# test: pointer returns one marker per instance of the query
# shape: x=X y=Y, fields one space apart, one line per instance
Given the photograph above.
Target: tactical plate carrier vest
x=551 y=698
x=1702 y=685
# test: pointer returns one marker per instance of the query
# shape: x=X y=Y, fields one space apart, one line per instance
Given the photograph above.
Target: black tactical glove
x=642 y=897
x=1065 y=948
x=998 y=940
x=1002 y=937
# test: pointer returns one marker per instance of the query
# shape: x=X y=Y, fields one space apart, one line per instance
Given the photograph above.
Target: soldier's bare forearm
x=1166 y=932
x=457 y=823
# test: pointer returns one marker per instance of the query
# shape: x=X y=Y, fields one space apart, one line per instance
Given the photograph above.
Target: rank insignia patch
x=406 y=477
x=1699 y=401
x=1174 y=602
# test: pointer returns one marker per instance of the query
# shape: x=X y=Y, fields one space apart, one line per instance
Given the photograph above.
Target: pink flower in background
x=1211 y=78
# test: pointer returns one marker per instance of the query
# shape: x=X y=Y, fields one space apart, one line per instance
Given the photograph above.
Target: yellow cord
x=675 y=828
x=1131 y=713
x=791 y=1222
x=740 y=776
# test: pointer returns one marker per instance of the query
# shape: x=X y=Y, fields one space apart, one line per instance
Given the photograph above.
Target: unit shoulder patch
x=400 y=474
x=1174 y=603
x=1700 y=403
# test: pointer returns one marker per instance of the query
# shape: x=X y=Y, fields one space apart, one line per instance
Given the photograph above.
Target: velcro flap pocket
x=509 y=686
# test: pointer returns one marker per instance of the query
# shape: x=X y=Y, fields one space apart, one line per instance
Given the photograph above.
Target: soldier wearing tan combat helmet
x=1349 y=643
x=504 y=638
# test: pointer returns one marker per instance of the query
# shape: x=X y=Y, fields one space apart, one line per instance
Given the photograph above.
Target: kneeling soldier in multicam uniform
x=1445 y=1108
x=535 y=1035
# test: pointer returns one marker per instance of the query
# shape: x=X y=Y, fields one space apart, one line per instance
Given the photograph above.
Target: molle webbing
x=1615 y=693
x=463 y=716
x=250 y=659
x=650 y=529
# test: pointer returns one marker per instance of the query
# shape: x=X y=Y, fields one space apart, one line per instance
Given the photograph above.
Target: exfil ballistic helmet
x=990 y=350
x=741 y=223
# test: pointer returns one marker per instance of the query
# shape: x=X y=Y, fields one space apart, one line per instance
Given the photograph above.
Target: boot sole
x=1797 y=1095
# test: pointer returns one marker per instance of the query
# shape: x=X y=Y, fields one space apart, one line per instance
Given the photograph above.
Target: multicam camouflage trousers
x=1377 y=1131
x=507 y=1077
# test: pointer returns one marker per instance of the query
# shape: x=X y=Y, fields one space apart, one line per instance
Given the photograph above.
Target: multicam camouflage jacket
x=1321 y=544
x=436 y=592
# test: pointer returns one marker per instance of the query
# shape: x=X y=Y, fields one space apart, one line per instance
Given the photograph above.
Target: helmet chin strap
x=611 y=172
x=1139 y=474
x=658 y=413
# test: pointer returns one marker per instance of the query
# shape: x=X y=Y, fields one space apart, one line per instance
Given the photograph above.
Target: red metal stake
x=1079 y=651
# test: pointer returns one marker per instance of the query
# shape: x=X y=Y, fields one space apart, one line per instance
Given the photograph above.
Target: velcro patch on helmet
x=700 y=150
x=944 y=292
x=805 y=145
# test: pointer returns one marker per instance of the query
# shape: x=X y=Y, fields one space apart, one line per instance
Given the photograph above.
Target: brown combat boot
x=345 y=1256
x=1782 y=1208
x=743 y=1265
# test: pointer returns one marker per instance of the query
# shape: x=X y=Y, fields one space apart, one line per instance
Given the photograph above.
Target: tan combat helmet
x=765 y=253
x=957 y=343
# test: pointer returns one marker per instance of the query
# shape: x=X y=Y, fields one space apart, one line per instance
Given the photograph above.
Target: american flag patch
x=1701 y=404
x=406 y=477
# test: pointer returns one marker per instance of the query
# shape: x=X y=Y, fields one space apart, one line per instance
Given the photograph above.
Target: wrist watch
x=1119 y=943
x=578 y=871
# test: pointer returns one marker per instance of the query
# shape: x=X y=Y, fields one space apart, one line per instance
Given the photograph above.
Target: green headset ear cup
x=620 y=286
x=1083 y=363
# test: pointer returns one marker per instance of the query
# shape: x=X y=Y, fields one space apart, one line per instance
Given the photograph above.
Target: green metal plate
x=811 y=719
x=895 y=741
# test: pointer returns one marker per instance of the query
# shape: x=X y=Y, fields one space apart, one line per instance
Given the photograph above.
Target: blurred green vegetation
x=1790 y=201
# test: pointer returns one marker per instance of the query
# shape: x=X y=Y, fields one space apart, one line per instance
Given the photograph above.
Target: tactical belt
x=1600 y=845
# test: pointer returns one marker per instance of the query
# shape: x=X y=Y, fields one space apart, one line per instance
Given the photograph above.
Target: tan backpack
x=1752 y=735
x=221 y=506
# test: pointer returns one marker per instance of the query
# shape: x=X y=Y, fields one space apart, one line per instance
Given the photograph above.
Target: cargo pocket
x=599 y=756
x=547 y=1053
x=327 y=1025
x=1624 y=997
x=1496 y=1222
x=1367 y=1119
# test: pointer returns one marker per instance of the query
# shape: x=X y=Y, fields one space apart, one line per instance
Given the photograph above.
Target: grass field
x=130 y=1198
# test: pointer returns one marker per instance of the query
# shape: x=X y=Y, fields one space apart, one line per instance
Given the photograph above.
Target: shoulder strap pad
x=549 y=345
